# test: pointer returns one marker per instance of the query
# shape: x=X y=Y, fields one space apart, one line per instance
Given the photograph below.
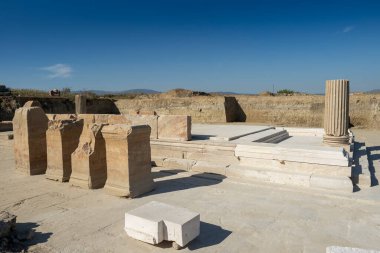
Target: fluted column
x=336 y=120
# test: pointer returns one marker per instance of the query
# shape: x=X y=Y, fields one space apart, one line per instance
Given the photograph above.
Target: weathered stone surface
x=337 y=249
x=156 y=221
x=62 y=139
x=174 y=127
x=336 y=122
x=80 y=104
x=89 y=166
x=29 y=126
x=128 y=160
x=60 y=116
x=151 y=120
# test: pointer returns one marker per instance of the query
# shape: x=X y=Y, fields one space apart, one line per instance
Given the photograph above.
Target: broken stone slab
x=62 y=138
x=156 y=221
x=89 y=166
x=128 y=160
x=29 y=129
x=174 y=127
x=337 y=249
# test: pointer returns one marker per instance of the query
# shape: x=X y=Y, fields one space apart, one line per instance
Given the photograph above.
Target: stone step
x=337 y=157
x=309 y=180
x=304 y=178
x=267 y=136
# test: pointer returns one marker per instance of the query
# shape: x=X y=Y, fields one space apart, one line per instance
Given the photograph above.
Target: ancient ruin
x=144 y=153
x=336 y=122
x=128 y=160
x=62 y=137
x=29 y=126
x=89 y=167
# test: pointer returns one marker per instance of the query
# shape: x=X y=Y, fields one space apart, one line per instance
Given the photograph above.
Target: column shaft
x=336 y=120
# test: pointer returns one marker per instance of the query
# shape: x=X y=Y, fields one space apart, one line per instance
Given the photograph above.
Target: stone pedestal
x=128 y=160
x=89 y=167
x=62 y=139
x=29 y=127
x=336 y=121
x=80 y=104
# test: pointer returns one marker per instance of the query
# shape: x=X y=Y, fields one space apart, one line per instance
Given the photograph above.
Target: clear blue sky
x=241 y=46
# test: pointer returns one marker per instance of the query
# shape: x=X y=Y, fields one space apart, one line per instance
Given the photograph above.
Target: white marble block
x=156 y=221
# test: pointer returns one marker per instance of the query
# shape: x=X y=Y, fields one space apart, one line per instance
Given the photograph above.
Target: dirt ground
x=235 y=216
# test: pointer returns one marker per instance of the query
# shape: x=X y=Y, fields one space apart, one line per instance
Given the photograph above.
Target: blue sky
x=241 y=46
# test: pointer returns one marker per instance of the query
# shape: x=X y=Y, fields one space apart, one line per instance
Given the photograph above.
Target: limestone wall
x=307 y=111
x=201 y=108
x=55 y=105
x=302 y=111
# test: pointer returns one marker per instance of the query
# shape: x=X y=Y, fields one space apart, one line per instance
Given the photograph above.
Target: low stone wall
x=301 y=111
x=202 y=109
x=308 y=111
x=55 y=105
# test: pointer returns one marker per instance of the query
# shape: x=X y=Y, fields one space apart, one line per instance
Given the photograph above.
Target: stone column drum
x=336 y=121
x=128 y=160
x=80 y=104
x=29 y=129
x=62 y=138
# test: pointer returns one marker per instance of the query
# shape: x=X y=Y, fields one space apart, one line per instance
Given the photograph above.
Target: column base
x=336 y=140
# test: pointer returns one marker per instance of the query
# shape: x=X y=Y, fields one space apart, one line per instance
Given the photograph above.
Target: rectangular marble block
x=156 y=221
x=174 y=127
x=29 y=129
x=128 y=160
x=62 y=138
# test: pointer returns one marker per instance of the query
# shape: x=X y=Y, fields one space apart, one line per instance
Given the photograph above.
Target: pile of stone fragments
x=11 y=239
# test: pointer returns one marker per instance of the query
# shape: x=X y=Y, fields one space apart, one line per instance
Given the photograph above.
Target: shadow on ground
x=23 y=237
x=166 y=173
x=373 y=154
x=38 y=237
x=210 y=235
x=182 y=183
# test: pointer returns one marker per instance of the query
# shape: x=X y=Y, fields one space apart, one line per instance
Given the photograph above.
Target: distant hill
x=374 y=91
x=224 y=93
x=132 y=91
